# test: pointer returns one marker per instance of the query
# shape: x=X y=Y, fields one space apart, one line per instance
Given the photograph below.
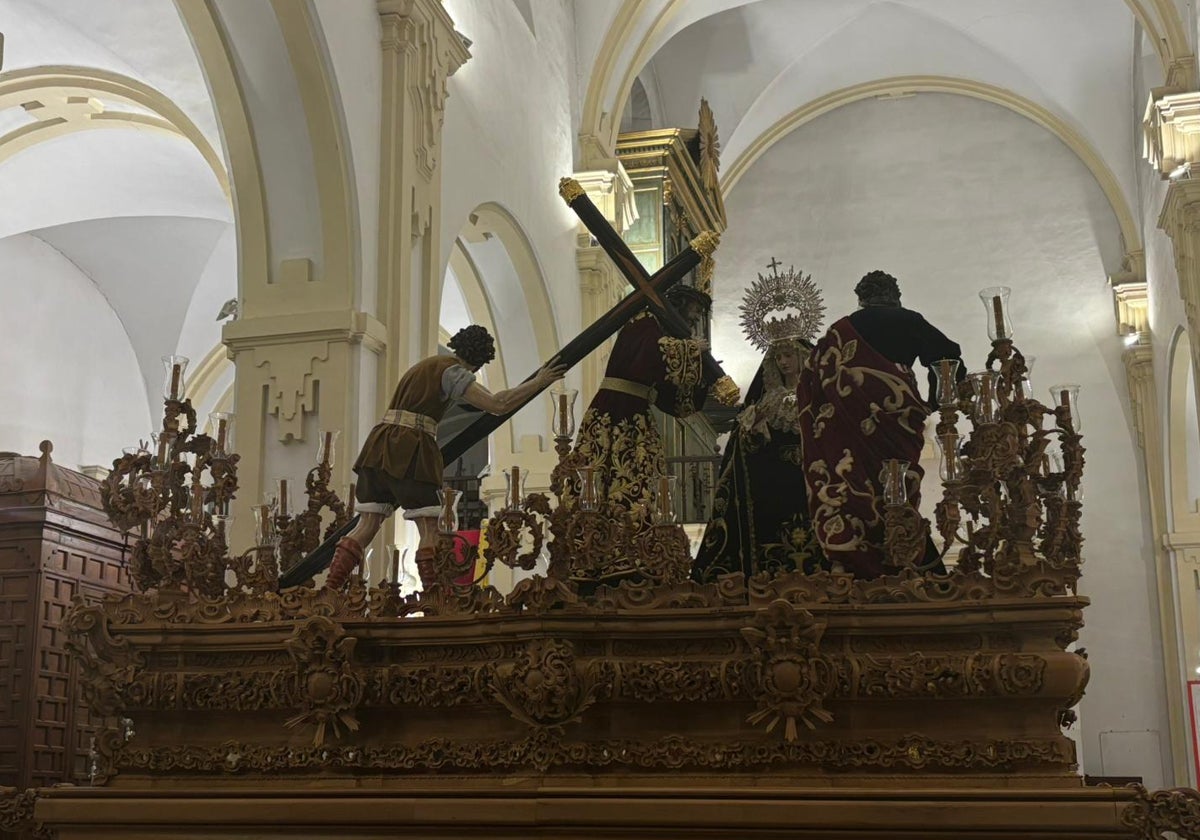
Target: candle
x=998 y=310
x=163 y=446
x=515 y=501
x=176 y=372
x=664 y=496
x=198 y=502
x=283 y=497
x=327 y=450
x=396 y=564
x=222 y=431
x=350 y=501
x=564 y=409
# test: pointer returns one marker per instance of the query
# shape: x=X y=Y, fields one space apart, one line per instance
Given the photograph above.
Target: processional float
x=213 y=681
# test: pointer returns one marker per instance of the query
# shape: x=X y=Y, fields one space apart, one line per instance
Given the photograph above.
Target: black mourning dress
x=760 y=510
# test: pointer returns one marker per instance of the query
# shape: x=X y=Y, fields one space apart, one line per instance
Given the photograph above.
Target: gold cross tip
x=570 y=189
x=706 y=243
x=726 y=391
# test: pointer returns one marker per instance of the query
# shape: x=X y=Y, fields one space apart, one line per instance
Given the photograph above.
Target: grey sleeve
x=455 y=382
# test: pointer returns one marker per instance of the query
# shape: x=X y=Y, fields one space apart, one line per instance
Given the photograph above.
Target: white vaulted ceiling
x=138 y=206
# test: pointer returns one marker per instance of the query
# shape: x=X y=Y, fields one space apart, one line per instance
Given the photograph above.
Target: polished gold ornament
x=726 y=391
x=570 y=189
x=778 y=307
x=705 y=243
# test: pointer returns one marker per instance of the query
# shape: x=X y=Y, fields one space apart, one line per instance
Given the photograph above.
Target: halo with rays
x=779 y=306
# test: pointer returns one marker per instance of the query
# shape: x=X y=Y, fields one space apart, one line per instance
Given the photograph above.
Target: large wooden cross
x=648 y=291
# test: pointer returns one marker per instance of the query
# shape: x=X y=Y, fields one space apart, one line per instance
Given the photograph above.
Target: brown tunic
x=405 y=453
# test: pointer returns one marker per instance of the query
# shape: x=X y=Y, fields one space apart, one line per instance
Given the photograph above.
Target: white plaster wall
x=217 y=283
x=103 y=174
x=351 y=32
x=952 y=195
x=147 y=268
x=70 y=375
x=507 y=139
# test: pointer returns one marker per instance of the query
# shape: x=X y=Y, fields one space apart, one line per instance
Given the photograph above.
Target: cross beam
x=673 y=323
x=648 y=291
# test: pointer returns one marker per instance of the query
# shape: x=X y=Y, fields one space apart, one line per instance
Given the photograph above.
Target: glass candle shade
x=265 y=533
x=514 y=487
x=175 y=367
x=950 y=467
x=1026 y=380
x=162 y=450
x=563 y=401
x=995 y=302
x=221 y=423
x=1067 y=396
x=589 y=488
x=280 y=495
x=983 y=388
x=326 y=447
x=895 y=485
x=947 y=381
x=396 y=553
x=662 y=511
x=447 y=521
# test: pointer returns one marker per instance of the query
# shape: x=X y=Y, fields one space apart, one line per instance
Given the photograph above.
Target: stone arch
x=1104 y=176
x=638 y=28
x=491 y=221
x=299 y=157
x=84 y=91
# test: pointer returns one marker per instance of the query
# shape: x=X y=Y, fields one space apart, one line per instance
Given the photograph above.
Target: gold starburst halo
x=781 y=306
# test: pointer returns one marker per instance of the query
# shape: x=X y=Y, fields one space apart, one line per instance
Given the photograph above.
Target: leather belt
x=411 y=420
x=624 y=386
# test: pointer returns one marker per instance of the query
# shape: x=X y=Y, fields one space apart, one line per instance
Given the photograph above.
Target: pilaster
x=420 y=51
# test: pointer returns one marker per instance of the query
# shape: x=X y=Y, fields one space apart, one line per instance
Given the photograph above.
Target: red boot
x=346 y=557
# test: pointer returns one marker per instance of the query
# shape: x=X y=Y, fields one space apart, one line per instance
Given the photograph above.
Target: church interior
x=238 y=237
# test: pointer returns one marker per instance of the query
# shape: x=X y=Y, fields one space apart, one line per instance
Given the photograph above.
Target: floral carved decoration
x=325 y=682
x=1153 y=813
x=547 y=686
x=794 y=678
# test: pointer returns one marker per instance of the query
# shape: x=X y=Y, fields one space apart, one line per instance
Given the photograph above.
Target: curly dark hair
x=878 y=288
x=474 y=345
x=680 y=294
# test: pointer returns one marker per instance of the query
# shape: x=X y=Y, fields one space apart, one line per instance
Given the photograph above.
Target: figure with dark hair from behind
x=400 y=465
x=860 y=405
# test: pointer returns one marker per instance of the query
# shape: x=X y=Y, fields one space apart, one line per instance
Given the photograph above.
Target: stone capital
x=1131 y=295
x=611 y=190
x=1171 y=129
x=347 y=325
